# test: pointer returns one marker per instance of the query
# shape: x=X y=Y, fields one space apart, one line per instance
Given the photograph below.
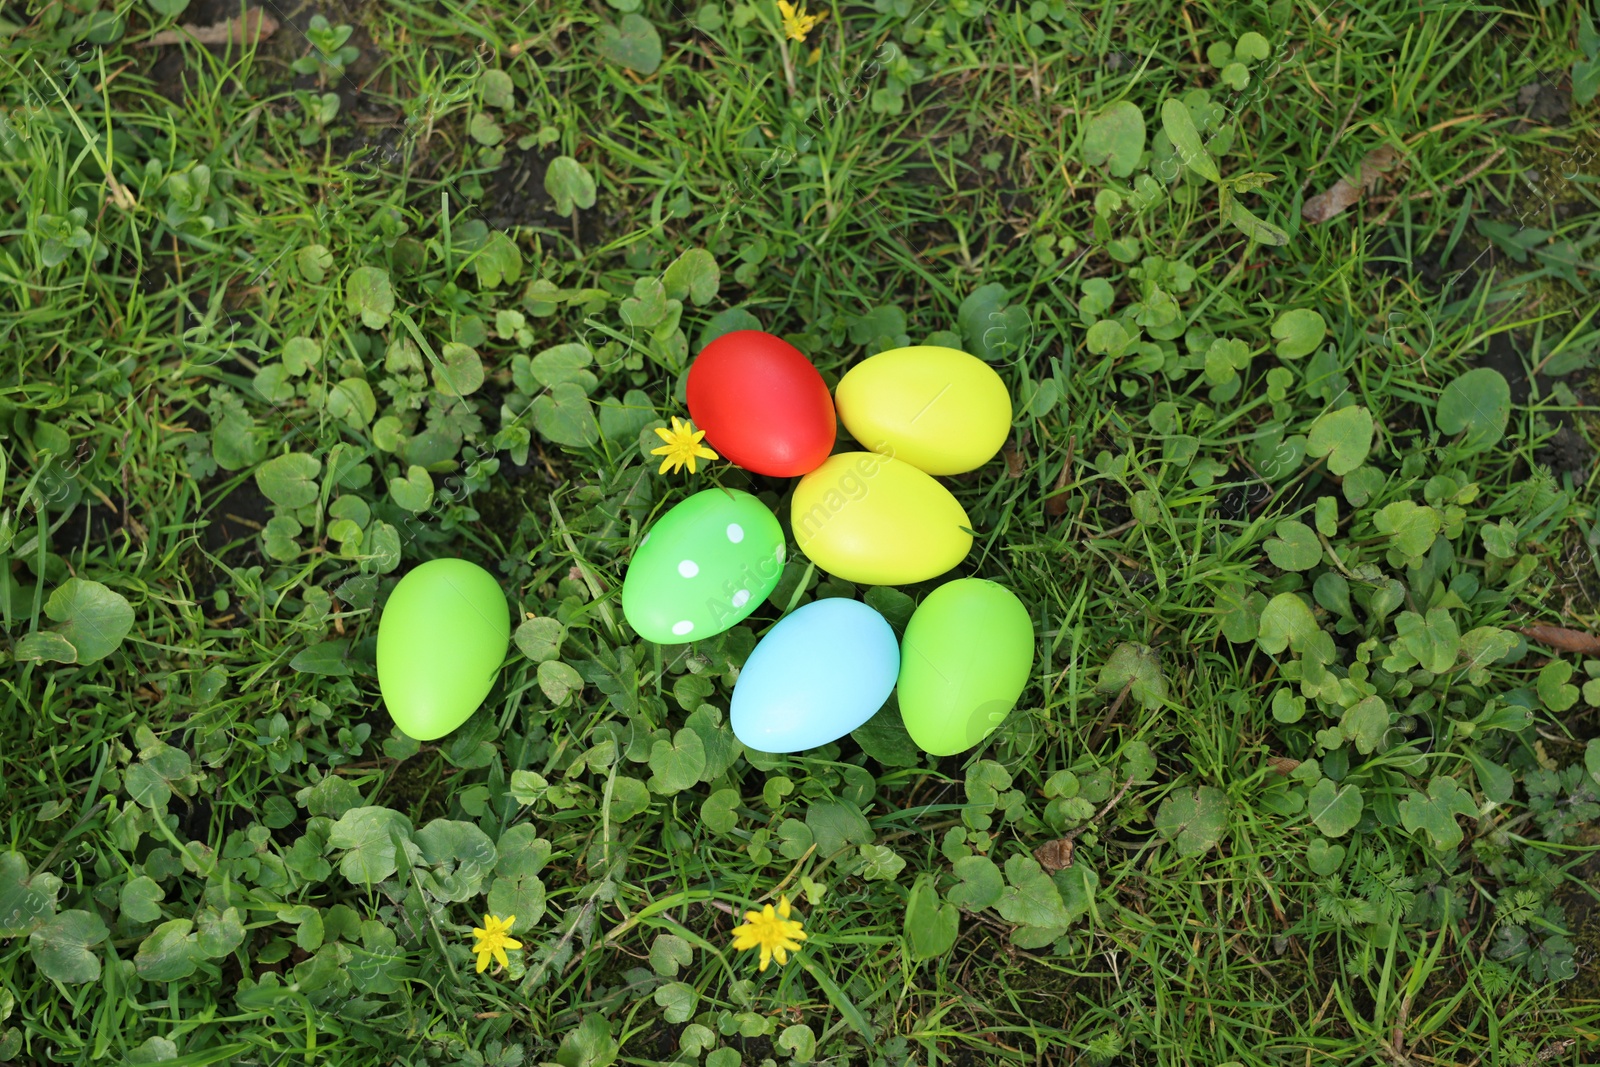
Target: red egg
x=762 y=404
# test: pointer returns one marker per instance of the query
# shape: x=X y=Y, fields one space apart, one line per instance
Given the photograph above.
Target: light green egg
x=441 y=641
x=703 y=567
x=964 y=660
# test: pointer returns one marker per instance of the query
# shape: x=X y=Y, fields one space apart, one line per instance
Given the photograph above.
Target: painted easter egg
x=874 y=520
x=703 y=567
x=938 y=409
x=441 y=640
x=821 y=672
x=966 y=657
x=762 y=404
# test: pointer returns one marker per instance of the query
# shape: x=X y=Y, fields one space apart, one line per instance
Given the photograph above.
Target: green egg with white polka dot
x=703 y=567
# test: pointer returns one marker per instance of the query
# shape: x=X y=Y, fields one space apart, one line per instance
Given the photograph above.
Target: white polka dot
x=735 y=532
x=688 y=568
x=681 y=628
x=741 y=598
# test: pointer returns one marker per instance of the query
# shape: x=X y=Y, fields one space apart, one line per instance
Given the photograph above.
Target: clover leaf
x=1334 y=807
x=1365 y=723
x=589 y=1044
x=1114 y=137
x=367 y=294
x=171 y=952
x=676 y=1000
x=719 y=811
x=1138 y=667
x=565 y=415
x=1323 y=857
x=1298 y=333
x=414 y=492
x=980 y=884
x=1193 y=820
x=1435 y=812
x=93 y=621
x=1286 y=622
x=1554 y=692
x=60 y=948
x=219 y=932
x=540 y=638
x=677 y=764
x=352 y=402
x=289 y=480
x=668 y=952
x=1344 y=436
x=569 y=184
x=634 y=45
x=1031 y=897
x=835 y=824
x=368 y=837
x=1477 y=405
x=562 y=363
x=1250 y=48
x=931 y=927
x=1296 y=547
x=26 y=901
x=694 y=275
x=141 y=899
x=497 y=89
x=459 y=371
x=1411 y=527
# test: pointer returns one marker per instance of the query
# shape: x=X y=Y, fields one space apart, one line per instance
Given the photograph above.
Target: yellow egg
x=940 y=410
x=874 y=520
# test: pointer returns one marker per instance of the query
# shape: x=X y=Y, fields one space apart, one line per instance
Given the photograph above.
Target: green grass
x=203 y=819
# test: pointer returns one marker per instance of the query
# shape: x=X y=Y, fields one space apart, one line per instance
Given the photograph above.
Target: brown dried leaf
x=1562 y=639
x=1057 y=503
x=254 y=25
x=1013 y=462
x=1283 y=764
x=1341 y=194
x=120 y=195
x=1054 y=856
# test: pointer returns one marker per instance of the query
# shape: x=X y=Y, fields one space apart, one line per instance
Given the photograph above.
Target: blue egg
x=820 y=673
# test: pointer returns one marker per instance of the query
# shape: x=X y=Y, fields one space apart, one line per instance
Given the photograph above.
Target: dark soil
x=168 y=71
x=238 y=516
x=235 y=520
x=515 y=196
x=1543 y=104
x=413 y=787
x=290 y=43
x=1538 y=104
x=660 y=1044
x=90 y=524
x=197 y=818
x=1567 y=453
x=1583 y=922
x=155 y=275
x=276 y=54
x=1244 y=495
x=1505 y=356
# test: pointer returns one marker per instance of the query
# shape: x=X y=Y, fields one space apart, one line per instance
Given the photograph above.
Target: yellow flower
x=774 y=933
x=494 y=940
x=682 y=446
x=796 y=23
